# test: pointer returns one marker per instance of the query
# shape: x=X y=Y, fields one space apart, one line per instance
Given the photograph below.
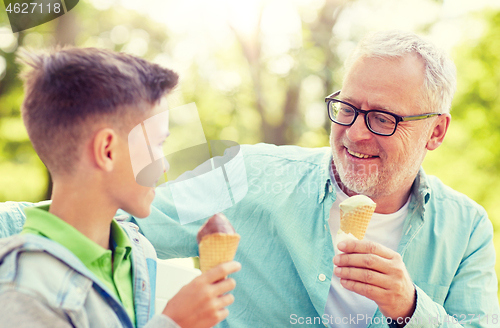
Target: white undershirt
x=347 y=309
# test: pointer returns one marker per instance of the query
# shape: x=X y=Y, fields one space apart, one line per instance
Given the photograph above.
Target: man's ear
x=439 y=131
x=105 y=148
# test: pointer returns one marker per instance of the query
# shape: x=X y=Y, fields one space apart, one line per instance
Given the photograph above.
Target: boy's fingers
x=225 y=300
x=222 y=314
x=221 y=271
x=224 y=286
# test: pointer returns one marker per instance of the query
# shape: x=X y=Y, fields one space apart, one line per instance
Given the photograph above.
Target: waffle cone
x=357 y=220
x=217 y=248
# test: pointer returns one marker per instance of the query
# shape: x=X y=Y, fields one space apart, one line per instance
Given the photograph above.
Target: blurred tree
x=21 y=172
x=248 y=91
x=469 y=159
x=475 y=127
x=22 y=175
x=317 y=40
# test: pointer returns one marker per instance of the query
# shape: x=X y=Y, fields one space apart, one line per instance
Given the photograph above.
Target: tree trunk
x=321 y=31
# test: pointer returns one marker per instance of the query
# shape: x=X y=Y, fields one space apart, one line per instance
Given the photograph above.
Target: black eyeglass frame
x=398 y=118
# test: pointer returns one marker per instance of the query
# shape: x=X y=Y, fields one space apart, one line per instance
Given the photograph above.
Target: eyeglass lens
x=378 y=122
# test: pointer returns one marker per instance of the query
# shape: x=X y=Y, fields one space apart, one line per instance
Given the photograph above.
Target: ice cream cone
x=356 y=221
x=217 y=248
x=355 y=215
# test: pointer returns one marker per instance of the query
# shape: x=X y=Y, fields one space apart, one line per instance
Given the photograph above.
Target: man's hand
x=202 y=303
x=378 y=273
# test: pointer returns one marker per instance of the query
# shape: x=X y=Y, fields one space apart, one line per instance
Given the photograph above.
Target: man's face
x=381 y=165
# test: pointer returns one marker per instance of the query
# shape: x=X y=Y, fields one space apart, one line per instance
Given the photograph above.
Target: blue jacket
x=50 y=274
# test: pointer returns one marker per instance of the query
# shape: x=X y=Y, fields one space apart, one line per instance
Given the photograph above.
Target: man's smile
x=359 y=155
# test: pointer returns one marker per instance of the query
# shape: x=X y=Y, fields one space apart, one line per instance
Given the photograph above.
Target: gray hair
x=440 y=80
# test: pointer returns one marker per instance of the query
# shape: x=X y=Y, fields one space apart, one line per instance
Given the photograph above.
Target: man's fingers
x=365 y=247
x=365 y=276
x=368 y=261
x=224 y=286
x=221 y=271
x=369 y=291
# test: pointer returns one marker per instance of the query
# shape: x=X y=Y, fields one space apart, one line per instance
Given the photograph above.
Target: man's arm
x=472 y=299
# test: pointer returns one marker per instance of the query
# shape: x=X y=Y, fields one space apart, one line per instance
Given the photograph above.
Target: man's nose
x=358 y=130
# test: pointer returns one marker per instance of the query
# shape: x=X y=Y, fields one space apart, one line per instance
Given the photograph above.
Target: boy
x=73 y=265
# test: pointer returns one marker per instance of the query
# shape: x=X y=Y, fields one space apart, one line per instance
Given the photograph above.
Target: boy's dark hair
x=69 y=91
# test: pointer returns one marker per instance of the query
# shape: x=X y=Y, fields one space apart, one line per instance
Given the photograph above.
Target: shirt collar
x=325 y=175
x=39 y=219
x=119 y=238
x=421 y=192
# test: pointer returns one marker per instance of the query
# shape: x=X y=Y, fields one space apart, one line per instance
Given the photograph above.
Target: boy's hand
x=202 y=302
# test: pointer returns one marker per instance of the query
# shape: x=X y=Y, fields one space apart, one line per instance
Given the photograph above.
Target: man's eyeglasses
x=377 y=121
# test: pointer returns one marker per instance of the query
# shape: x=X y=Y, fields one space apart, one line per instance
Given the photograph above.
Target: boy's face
x=145 y=163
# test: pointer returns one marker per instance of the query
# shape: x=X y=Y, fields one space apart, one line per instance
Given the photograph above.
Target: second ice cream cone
x=217 y=248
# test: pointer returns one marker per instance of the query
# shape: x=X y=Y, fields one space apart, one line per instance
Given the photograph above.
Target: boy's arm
x=23 y=311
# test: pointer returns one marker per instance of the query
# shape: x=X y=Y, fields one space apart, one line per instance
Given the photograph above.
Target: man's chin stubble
x=356 y=182
x=359 y=185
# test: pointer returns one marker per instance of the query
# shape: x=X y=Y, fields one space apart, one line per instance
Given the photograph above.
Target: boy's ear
x=439 y=131
x=105 y=149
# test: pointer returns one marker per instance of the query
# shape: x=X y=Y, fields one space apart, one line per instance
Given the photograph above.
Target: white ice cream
x=354 y=202
x=342 y=236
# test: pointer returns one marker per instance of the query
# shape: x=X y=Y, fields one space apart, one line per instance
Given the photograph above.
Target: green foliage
x=239 y=92
x=469 y=159
x=23 y=176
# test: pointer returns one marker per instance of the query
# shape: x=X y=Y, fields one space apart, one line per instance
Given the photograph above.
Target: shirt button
x=322 y=277
x=79 y=290
x=330 y=188
x=143 y=285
